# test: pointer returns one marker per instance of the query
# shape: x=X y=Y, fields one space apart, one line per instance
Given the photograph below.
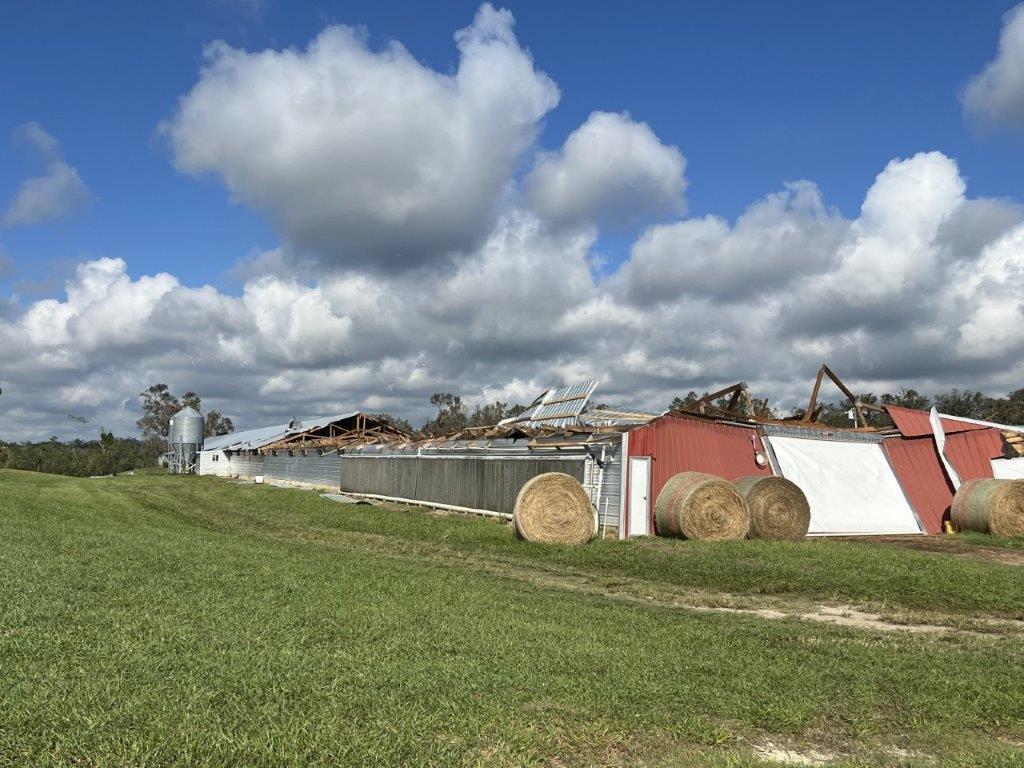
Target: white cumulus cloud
x=611 y=169
x=765 y=299
x=366 y=156
x=58 y=192
x=996 y=94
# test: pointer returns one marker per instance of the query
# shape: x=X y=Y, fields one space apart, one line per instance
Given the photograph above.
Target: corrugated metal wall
x=246 y=464
x=915 y=460
x=304 y=467
x=688 y=445
x=919 y=469
x=676 y=444
x=971 y=453
x=476 y=483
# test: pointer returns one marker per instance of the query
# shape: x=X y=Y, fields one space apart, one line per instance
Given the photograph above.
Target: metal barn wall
x=677 y=444
x=304 y=467
x=917 y=465
x=475 y=483
x=214 y=463
x=971 y=453
x=246 y=464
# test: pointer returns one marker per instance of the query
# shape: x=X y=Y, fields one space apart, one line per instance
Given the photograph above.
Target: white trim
x=579 y=457
x=1007 y=427
x=623 y=484
x=939 y=436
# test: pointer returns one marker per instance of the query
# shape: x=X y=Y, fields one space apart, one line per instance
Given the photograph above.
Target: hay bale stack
x=553 y=508
x=695 y=505
x=990 y=506
x=778 y=508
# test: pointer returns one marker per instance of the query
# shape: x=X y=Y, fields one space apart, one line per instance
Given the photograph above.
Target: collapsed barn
x=860 y=480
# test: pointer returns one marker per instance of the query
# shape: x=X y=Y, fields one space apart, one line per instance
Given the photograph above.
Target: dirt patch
x=792 y=756
x=948 y=545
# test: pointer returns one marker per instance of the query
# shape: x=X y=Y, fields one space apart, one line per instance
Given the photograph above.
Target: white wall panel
x=850 y=486
x=1008 y=469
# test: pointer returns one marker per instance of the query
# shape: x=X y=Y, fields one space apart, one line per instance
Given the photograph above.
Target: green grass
x=973 y=537
x=164 y=621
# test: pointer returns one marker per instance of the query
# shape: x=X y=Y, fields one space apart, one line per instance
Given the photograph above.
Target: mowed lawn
x=180 y=621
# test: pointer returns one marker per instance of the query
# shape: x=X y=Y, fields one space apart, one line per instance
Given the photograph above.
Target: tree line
x=81 y=458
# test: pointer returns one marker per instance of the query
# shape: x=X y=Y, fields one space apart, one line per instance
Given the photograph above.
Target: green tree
x=488 y=414
x=908 y=398
x=215 y=423
x=402 y=424
x=158 y=406
x=1009 y=409
x=451 y=414
x=965 y=402
x=682 y=403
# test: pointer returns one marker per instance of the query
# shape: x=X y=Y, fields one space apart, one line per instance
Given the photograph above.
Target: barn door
x=639 y=493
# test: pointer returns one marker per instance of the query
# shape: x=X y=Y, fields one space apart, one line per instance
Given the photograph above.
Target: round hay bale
x=778 y=508
x=553 y=508
x=695 y=505
x=990 y=506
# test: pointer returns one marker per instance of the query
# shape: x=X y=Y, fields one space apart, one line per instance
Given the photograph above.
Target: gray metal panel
x=235 y=440
x=309 y=467
x=252 y=439
x=835 y=436
x=247 y=464
x=556 y=408
x=476 y=483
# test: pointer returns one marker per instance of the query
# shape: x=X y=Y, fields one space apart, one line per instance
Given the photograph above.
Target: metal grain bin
x=186 y=439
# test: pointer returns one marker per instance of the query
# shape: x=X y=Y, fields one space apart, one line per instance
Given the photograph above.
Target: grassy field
x=161 y=621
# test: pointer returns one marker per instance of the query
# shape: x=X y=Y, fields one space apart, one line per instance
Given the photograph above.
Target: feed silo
x=186 y=439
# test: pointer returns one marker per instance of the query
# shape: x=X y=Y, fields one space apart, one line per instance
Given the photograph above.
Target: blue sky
x=558 y=191
x=754 y=94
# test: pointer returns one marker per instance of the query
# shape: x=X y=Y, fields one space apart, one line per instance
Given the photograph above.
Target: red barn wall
x=677 y=444
x=916 y=463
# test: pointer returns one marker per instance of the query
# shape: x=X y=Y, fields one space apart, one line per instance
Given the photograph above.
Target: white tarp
x=1008 y=469
x=850 y=486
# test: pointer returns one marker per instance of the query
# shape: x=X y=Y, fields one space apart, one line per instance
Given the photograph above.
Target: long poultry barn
x=858 y=480
x=482 y=470
x=303 y=452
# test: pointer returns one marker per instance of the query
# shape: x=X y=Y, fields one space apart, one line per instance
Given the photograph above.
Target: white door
x=639 y=492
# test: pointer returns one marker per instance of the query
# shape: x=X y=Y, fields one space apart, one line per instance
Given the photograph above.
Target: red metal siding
x=919 y=470
x=913 y=423
x=971 y=453
x=677 y=444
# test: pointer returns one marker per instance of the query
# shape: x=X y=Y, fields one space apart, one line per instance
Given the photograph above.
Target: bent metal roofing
x=914 y=423
x=254 y=439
